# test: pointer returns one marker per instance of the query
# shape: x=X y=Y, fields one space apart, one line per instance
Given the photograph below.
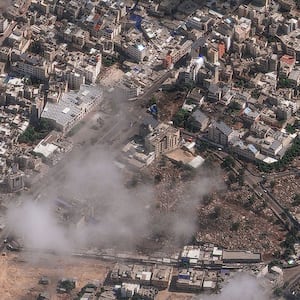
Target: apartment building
x=220 y=133
x=162 y=139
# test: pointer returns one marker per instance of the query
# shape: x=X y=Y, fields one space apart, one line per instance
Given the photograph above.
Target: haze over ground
x=122 y=216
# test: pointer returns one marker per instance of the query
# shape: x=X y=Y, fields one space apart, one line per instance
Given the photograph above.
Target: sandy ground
x=166 y=295
x=20 y=274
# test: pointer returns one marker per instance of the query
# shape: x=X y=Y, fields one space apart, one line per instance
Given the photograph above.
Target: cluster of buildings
x=210 y=256
x=158 y=139
x=195 y=269
x=48 y=71
x=155 y=140
x=191 y=271
x=15 y=113
x=53 y=53
x=198 y=268
x=158 y=276
x=259 y=143
x=247 y=78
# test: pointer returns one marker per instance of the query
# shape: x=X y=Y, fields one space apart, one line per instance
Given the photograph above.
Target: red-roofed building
x=287 y=64
x=288 y=59
x=221 y=49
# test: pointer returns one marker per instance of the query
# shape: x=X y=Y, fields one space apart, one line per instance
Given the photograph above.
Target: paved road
x=291 y=274
x=155 y=86
x=129 y=117
x=115 y=132
x=292 y=171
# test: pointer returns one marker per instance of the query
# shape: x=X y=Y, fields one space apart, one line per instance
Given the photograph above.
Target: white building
x=129 y=289
x=3 y=24
x=90 y=69
x=72 y=107
x=75 y=80
x=136 y=51
x=32 y=65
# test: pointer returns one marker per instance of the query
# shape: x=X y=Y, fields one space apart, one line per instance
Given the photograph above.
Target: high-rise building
x=213 y=55
x=220 y=133
x=168 y=61
x=162 y=139
x=221 y=49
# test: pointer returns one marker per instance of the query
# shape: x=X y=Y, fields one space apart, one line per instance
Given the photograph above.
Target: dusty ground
x=256 y=228
x=285 y=189
x=166 y=295
x=19 y=274
x=168 y=104
x=111 y=75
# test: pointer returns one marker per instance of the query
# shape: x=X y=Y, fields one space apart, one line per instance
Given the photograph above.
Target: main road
x=117 y=129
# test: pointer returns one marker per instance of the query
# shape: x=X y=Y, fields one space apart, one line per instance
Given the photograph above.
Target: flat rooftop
x=240 y=256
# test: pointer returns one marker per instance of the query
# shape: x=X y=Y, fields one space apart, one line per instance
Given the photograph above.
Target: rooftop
x=71 y=105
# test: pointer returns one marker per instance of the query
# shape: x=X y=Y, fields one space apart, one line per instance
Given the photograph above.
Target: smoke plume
x=114 y=214
x=36 y=225
x=242 y=286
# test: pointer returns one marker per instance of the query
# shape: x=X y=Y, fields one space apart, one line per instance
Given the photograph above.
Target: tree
x=37 y=48
x=228 y=162
x=202 y=146
x=207 y=199
x=235 y=226
x=231 y=178
x=29 y=136
x=272 y=184
x=157 y=178
x=278 y=292
x=255 y=94
x=285 y=82
x=250 y=202
x=234 y=105
x=152 y=101
x=37 y=132
x=296 y=199
x=216 y=213
x=290 y=129
x=241 y=177
x=181 y=117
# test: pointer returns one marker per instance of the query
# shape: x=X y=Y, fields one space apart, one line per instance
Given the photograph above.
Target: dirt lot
x=110 y=76
x=20 y=274
x=230 y=217
x=166 y=295
x=168 y=104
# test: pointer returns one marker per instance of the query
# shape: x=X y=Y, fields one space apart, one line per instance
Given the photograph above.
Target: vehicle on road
x=13 y=246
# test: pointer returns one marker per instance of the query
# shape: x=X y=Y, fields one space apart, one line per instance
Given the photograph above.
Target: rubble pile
x=285 y=190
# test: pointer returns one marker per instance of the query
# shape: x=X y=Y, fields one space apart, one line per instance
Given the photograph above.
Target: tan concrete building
x=162 y=139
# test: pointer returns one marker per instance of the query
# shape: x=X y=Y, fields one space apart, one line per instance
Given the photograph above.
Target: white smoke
x=36 y=225
x=241 y=287
x=119 y=216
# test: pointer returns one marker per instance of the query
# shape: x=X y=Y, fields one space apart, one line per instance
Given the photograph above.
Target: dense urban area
x=149 y=149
